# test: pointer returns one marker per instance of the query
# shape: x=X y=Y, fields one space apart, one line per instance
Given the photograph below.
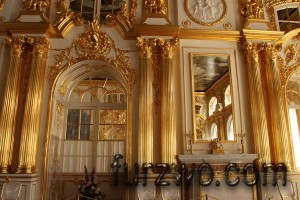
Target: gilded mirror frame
x=225 y=112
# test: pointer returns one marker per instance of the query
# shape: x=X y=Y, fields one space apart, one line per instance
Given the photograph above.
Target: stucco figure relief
x=206 y=12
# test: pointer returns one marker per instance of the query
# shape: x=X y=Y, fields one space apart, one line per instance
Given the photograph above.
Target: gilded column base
x=4 y=169
x=25 y=170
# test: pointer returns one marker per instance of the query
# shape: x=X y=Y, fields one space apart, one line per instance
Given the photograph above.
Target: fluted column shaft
x=257 y=105
x=32 y=109
x=145 y=137
x=168 y=129
x=277 y=108
x=9 y=106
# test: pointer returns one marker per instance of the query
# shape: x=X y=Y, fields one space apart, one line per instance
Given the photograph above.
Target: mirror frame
x=193 y=95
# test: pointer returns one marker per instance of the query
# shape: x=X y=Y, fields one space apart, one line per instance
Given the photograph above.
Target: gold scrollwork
x=106 y=52
x=291 y=53
x=156 y=6
x=35 y=5
x=93 y=40
x=206 y=13
x=186 y=23
x=252 y=9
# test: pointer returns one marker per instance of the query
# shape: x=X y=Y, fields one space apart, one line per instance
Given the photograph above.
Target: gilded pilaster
x=168 y=129
x=145 y=140
x=32 y=109
x=278 y=119
x=9 y=107
x=257 y=106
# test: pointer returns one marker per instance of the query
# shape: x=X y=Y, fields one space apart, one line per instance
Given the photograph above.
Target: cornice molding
x=24 y=28
x=209 y=34
x=261 y=35
x=157 y=30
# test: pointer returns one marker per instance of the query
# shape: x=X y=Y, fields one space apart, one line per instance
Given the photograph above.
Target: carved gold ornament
x=252 y=9
x=186 y=23
x=92 y=45
x=227 y=26
x=156 y=6
x=35 y=5
x=206 y=12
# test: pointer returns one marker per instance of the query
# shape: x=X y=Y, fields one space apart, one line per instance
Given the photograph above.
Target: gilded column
x=145 y=139
x=9 y=107
x=168 y=129
x=33 y=104
x=257 y=105
x=277 y=108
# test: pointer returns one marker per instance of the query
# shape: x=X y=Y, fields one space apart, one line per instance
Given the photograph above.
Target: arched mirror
x=293 y=103
x=212 y=102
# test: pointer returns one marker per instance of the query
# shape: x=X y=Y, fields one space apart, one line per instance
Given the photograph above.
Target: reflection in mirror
x=293 y=101
x=212 y=97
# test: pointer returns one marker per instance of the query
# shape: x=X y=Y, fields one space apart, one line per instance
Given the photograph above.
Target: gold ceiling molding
x=209 y=34
x=24 y=28
x=270 y=4
x=92 y=45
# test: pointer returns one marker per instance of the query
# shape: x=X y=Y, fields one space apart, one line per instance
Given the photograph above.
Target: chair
x=11 y=191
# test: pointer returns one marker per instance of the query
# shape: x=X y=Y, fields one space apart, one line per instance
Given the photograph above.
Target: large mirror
x=212 y=99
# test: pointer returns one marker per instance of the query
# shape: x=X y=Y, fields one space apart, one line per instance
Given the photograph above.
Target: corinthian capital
x=146 y=46
x=251 y=51
x=168 y=47
x=40 y=45
x=16 y=43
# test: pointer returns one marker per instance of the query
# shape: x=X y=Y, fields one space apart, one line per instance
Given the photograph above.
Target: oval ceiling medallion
x=206 y=12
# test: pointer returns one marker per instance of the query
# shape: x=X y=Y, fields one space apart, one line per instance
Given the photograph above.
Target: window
x=212 y=105
x=230 y=130
x=79 y=124
x=89 y=8
x=288 y=18
x=227 y=96
x=96 y=125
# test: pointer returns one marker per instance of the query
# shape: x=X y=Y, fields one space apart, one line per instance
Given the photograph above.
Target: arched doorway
x=89 y=126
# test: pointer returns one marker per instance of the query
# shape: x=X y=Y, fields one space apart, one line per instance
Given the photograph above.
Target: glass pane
x=282 y=14
x=72 y=132
x=73 y=124
x=86 y=124
x=293 y=14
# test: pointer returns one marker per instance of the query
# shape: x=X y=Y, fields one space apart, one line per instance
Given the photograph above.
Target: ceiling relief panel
x=206 y=12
